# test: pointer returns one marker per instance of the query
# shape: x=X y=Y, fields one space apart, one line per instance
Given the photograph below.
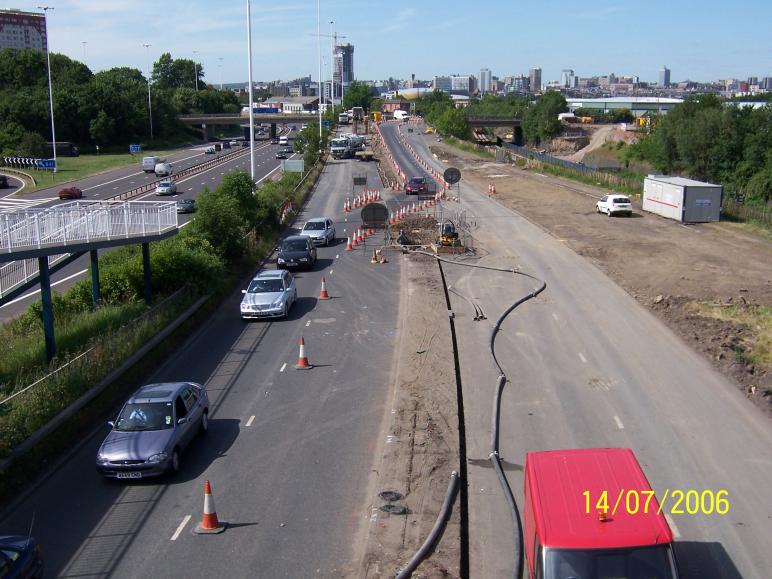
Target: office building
x=485 y=80
x=664 y=77
x=463 y=84
x=343 y=71
x=568 y=78
x=20 y=29
x=534 y=79
x=441 y=83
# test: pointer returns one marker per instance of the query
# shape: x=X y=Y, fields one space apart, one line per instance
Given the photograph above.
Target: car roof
x=295 y=238
x=269 y=274
x=161 y=392
x=315 y=219
x=556 y=480
x=615 y=195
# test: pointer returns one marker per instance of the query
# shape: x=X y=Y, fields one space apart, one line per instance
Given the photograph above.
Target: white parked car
x=166 y=188
x=614 y=205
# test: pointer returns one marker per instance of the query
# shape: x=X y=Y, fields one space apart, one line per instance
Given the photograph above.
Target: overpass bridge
x=208 y=122
x=43 y=239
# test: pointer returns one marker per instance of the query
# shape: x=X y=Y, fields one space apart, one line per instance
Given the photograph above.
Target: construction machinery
x=448 y=234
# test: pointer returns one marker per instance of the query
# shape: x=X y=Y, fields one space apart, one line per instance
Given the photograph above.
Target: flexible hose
x=434 y=534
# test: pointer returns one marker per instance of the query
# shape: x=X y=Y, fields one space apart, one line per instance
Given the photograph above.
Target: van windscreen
x=625 y=563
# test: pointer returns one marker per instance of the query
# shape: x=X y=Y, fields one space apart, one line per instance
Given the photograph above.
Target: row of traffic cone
x=361 y=200
x=491 y=189
x=360 y=235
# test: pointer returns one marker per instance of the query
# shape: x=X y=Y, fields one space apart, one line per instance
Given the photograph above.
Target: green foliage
x=540 y=121
x=102 y=128
x=33 y=145
x=357 y=94
x=453 y=122
x=710 y=141
x=220 y=222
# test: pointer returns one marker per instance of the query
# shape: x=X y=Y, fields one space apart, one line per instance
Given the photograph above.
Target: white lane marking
x=114 y=188
x=676 y=532
x=179 y=529
x=391 y=439
x=251 y=420
x=331 y=270
x=337 y=255
x=584 y=360
x=619 y=423
x=308 y=323
x=37 y=291
x=555 y=316
x=283 y=367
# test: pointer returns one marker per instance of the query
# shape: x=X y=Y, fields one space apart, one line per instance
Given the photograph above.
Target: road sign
x=134 y=149
x=451 y=175
x=47 y=163
x=325 y=124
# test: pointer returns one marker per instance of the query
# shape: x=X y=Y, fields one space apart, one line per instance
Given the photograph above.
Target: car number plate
x=130 y=475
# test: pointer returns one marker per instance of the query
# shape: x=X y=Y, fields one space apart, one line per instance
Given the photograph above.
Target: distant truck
x=346 y=146
x=401 y=116
x=590 y=512
x=343 y=119
x=358 y=113
x=149 y=163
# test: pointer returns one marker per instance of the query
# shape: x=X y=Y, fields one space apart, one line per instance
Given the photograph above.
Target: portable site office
x=682 y=199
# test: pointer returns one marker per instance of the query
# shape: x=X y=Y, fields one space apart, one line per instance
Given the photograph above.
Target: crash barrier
x=421 y=161
x=547 y=158
x=436 y=532
x=23 y=174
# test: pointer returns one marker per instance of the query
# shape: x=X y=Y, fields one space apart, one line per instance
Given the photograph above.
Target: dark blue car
x=20 y=557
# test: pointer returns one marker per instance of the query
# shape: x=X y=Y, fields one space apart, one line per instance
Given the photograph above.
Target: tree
x=357 y=94
x=102 y=128
x=11 y=135
x=239 y=186
x=33 y=145
x=540 y=121
x=219 y=221
x=453 y=122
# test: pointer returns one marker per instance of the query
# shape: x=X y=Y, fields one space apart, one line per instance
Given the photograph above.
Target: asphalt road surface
x=289 y=453
x=589 y=367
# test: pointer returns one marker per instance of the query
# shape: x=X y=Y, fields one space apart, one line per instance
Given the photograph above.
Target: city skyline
x=702 y=42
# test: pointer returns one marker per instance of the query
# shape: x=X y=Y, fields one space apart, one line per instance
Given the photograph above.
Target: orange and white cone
x=354 y=240
x=302 y=358
x=209 y=522
x=374 y=258
x=360 y=236
x=323 y=295
x=382 y=258
x=348 y=244
x=493 y=189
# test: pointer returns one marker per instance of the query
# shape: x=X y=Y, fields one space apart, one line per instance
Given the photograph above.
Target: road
x=289 y=453
x=588 y=366
x=404 y=159
x=118 y=181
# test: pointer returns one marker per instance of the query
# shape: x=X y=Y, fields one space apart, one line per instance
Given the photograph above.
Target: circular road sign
x=452 y=175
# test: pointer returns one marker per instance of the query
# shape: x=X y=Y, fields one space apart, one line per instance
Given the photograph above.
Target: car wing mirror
x=243 y=291
x=111 y=424
x=182 y=421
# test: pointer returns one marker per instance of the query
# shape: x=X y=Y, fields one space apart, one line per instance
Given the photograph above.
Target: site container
x=592 y=513
x=684 y=200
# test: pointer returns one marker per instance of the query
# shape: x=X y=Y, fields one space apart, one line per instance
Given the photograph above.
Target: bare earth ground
x=421 y=448
x=666 y=266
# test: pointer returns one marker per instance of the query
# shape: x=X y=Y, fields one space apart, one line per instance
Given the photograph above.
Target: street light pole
x=149 y=102
x=251 y=102
x=84 y=43
x=319 y=56
x=195 y=68
x=332 y=64
x=45 y=10
x=220 y=58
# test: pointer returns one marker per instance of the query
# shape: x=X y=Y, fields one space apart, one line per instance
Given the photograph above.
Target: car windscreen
x=313 y=226
x=259 y=286
x=145 y=416
x=621 y=200
x=648 y=562
x=295 y=245
x=417 y=181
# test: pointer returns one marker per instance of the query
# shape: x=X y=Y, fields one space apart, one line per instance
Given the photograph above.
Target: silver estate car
x=152 y=429
x=270 y=294
x=319 y=229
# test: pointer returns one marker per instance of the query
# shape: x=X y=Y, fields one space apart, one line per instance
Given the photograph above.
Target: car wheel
x=608 y=212
x=175 y=464
x=597 y=209
x=204 y=427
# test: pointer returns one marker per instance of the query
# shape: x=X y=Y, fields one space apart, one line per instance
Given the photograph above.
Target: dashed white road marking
x=619 y=423
x=331 y=270
x=308 y=323
x=555 y=316
x=251 y=420
x=283 y=367
x=581 y=356
x=179 y=529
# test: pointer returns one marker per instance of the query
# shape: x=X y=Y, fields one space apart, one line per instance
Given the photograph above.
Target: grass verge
x=469 y=148
x=623 y=183
x=758 y=319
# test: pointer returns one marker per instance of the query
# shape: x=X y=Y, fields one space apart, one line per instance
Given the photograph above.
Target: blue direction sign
x=47 y=163
x=325 y=124
x=134 y=149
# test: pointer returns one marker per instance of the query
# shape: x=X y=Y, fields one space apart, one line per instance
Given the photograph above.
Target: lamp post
x=45 y=10
x=332 y=64
x=195 y=68
x=251 y=102
x=319 y=57
x=220 y=58
x=149 y=102
x=84 y=43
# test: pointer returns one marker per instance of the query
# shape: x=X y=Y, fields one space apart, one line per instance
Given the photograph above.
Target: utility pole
x=45 y=10
x=220 y=58
x=251 y=102
x=149 y=102
x=195 y=68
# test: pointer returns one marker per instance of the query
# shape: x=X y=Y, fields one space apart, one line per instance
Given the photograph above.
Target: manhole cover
x=390 y=496
x=395 y=509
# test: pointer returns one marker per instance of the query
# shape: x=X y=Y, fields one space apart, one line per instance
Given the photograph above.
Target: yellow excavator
x=448 y=234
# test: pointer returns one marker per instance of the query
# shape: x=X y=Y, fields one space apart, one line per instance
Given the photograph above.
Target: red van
x=567 y=533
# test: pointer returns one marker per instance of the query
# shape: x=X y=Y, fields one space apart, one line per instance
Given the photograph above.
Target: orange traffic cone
x=493 y=189
x=323 y=295
x=348 y=244
x=302 y=358
x=209 y=522
x=382 y=258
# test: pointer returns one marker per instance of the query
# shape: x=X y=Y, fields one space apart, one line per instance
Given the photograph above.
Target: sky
x=698 y=40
